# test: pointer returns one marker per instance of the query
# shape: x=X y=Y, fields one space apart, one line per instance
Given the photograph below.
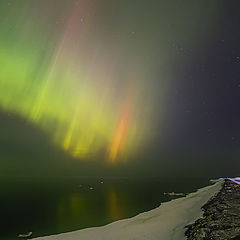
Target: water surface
x=56 y=205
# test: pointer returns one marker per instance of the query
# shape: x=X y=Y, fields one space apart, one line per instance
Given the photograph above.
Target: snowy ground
x=163 y=223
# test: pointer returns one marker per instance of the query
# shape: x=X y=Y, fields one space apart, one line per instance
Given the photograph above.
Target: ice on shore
x=165 y=222
x=174 y=194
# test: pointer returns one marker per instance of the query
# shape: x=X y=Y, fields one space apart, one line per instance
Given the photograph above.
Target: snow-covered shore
x=163 y=223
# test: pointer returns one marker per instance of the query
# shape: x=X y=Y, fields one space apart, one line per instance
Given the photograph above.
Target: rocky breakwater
x=221 y=218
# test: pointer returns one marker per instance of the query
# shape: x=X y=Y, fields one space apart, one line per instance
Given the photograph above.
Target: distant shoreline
x=165 y=222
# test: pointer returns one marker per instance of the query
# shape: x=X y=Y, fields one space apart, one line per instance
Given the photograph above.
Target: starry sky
x=138 y=87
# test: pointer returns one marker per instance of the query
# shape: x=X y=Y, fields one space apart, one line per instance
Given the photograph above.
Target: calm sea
x=50 y=206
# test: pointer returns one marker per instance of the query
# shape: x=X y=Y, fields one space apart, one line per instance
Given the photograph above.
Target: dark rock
x=221 y=217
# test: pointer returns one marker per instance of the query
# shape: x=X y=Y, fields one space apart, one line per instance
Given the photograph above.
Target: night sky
x=120 y=88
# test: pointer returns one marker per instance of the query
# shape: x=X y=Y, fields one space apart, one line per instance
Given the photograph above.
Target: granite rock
x=221 y=218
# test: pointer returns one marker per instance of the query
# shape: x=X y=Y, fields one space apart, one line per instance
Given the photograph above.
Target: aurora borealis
x=114 y=78
x=67 y=79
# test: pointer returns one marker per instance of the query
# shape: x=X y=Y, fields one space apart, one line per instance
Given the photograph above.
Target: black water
x=49 y=206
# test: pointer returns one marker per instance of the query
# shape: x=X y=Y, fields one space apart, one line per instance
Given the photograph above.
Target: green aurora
x=95 y=75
